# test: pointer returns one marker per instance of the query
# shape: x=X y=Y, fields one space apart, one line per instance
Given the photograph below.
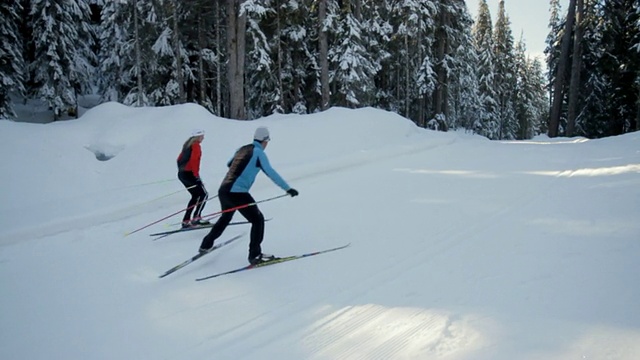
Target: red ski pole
x=242 y=206
x=164 y=218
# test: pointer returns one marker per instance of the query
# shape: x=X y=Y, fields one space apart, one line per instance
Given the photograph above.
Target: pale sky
x=529 y=18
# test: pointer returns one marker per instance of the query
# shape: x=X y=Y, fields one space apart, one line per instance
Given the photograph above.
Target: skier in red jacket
x=189 y=174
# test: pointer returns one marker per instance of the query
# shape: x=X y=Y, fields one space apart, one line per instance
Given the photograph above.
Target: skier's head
x=197 y=132
x=261 y=134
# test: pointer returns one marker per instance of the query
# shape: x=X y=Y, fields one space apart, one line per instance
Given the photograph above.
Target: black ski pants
x=230 y=200
x=198 y=195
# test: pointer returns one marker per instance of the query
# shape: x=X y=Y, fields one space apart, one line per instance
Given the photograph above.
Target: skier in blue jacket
x=234 y=192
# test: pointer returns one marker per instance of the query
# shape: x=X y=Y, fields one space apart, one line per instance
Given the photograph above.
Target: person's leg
x=218 y=228
x=201 y=200
x=255 y=217
x=189 y=181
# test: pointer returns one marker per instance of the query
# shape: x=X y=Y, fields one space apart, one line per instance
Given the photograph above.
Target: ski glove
x=293 y=192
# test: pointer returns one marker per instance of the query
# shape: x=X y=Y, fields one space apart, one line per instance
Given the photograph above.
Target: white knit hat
x=261 y=134
x=197 y=132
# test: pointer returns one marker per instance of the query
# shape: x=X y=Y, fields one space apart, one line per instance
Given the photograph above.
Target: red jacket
x=189 y=159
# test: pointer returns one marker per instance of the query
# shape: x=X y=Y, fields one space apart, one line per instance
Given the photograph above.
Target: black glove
x=293 y=192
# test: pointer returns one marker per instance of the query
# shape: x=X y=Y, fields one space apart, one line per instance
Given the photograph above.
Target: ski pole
x=164 y=196
x=241 y=206
x=164 y=218
x=152 y=183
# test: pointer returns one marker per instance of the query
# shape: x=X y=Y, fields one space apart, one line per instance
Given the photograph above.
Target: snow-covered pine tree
x=537 y=85
x=263 y=77
x=140 y=19
x=62 y=39
x=168 y=72
x=11 y=61
x=352 y=71
x=488 y=124
x=412 y=77
x=453 y=47
x=380 y=31
x=116 y=51
x=525 y=95
x=621 y=65
x=300 y=74
x=465 y=103
x=593 y=116
x=505 y=77
x=553 y=40
x=201 y=41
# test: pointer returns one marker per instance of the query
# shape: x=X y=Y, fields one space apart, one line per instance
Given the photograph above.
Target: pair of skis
x=162 y=234
x=248 y=267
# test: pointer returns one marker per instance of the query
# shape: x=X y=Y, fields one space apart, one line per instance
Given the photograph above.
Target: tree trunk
x=236 y=30
x=279 y=58
x=324 y=61
x=138 y=52
x=218 y=62
x=558 y=95
x=576 y=67
x=407 y=96
x=177 y=52
x=203 y=78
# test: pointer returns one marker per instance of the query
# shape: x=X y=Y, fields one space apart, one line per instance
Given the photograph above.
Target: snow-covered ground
x=461 y=248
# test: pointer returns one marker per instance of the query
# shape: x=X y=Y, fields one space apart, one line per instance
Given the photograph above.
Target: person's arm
x=270 y=172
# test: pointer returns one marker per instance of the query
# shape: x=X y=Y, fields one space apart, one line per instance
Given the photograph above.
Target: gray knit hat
x=261 y=134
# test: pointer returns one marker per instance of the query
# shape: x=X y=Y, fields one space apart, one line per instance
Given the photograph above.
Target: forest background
x=426 y=60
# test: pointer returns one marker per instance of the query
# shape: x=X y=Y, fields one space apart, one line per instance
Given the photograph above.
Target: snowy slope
x=461 y=248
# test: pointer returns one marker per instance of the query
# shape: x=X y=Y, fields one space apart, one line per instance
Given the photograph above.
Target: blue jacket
x=244 y=167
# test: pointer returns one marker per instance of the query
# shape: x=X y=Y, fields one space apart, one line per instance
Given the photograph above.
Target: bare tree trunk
x=558 y=95
x=422 y=101
x=576 y=66
x=236 y=29
x=279 y=61
x=219 y=60
x=203 y=79
x=406 y=77
x=177 y=52
x=324 y=61
x=138 y=52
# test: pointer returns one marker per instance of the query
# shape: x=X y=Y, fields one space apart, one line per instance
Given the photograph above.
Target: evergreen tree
x=262 y=72
x=456 y=93
x=116 y=51
x=202 y=41
x=530 y=105
x=413 y=76
x=505 y=81
x=621 y=65
x=62 y=39
x=11 y=60
x=488 y=125
x=539 y=105
x=352 y=71
x=593 y=116
x=552 y=50
x=299 y=74
x=168 y=71
x=380 y=31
